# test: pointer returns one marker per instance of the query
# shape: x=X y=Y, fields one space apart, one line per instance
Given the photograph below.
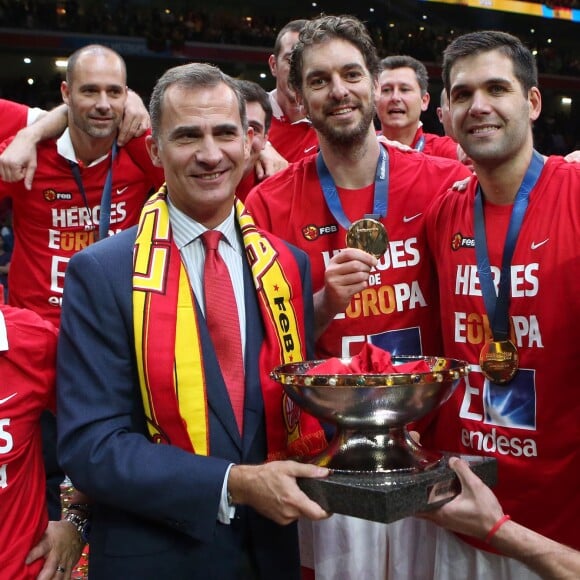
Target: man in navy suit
x=145 y=423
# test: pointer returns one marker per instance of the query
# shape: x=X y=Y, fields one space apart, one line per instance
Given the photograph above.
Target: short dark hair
x=90 y=48
x=292 y=26
x=524 y=63
x=406 y=61
x=193 y=75
x=326 y=28
x=254 y=93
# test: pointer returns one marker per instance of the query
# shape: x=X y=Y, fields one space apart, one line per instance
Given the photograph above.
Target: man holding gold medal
x=166 y=409
x=355 y=192
x=379 y=288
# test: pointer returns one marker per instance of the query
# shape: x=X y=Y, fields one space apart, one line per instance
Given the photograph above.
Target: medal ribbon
x=497 y=306
x=381 y=194
x=420 y=145
x=105 y=211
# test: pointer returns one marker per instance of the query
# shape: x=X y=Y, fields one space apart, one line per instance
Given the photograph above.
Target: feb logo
x=53 y=195
x=310 y=232
x=458 y=241
x=49 y=194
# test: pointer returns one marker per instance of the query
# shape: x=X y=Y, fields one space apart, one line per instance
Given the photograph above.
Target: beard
x=99 y=132
x=344 y=135
x=86 y=125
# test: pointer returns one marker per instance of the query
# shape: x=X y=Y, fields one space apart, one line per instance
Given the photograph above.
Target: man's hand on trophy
x=271 y=489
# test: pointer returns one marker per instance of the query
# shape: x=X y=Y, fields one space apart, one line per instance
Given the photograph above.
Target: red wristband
x=496 y=527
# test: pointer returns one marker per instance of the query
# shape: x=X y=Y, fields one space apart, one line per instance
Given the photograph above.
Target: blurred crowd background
x=238 y=36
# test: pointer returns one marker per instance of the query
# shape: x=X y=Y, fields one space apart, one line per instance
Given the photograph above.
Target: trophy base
x=387 y=497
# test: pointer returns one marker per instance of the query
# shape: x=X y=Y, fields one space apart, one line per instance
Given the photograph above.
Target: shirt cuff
x=226 y=511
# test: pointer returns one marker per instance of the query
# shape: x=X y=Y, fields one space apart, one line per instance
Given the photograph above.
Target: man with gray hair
x=168 y=417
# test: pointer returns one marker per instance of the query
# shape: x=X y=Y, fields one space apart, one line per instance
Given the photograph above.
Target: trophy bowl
x=371 y=412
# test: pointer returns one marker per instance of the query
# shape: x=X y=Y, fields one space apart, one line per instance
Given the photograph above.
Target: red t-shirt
x=246 y=185
x=294 y=141
x=13 y=117
x=436 y=144
x=52 y=222
x=531 y=425
x=27 y=375
x=398 y=311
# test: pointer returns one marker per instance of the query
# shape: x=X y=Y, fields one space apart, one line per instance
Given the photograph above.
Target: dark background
x=238 y=36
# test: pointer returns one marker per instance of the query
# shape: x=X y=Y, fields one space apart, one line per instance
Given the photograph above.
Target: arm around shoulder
x=18 y=161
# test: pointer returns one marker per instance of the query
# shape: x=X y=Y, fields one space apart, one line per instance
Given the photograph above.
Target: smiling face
x=491 y=114
x=96 y=94
x=338 y=92
x=400 y=103
x=203 y=148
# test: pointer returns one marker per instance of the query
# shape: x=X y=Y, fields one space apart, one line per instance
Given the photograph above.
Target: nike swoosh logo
x=535 y=245
x=308 y=149
x=120 y=191
x=407 y=219
x=7 y=398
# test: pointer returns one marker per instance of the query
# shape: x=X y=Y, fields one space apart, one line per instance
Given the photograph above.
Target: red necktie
x=221 y=314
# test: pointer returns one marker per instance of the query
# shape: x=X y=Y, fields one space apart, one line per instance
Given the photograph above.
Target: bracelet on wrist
x=82 y=525
x=496 y=527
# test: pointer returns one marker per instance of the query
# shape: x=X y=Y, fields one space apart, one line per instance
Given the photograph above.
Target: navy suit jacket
x=156 y=505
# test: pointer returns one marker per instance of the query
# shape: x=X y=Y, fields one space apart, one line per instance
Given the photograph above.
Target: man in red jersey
x=291 y=133
x=339 y=98
x=508 y=260
x=404 y=96
x=444 y=115
x=83 y=180
x=389 y=301
x=29 y=544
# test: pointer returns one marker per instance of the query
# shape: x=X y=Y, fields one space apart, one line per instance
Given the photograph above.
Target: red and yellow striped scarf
x=170 y=362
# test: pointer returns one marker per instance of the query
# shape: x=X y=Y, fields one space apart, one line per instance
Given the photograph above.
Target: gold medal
x=499 y=361
x=368 y=235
